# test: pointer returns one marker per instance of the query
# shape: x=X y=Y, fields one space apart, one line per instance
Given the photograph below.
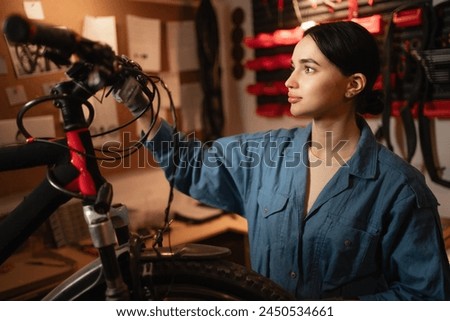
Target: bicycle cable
x=158 y=239
x=37 y=101
x=124 y=152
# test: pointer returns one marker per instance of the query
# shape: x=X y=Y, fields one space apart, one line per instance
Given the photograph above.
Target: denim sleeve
x=200 y=171
x=413 y=254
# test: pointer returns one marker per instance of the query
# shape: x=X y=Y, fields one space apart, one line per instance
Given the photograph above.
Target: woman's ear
x=357 y=83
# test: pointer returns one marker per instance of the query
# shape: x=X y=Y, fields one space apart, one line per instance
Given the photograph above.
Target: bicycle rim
x=177 y=279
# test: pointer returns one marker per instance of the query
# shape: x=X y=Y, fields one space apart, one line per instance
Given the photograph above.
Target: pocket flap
x=271 y=203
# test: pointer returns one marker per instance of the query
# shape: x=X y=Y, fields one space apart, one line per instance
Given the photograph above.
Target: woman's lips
x=294 y=99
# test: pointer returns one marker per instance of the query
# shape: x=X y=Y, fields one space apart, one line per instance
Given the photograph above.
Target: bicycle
x=126 y=269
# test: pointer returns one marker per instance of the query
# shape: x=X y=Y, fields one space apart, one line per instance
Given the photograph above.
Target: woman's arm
x=200 y=170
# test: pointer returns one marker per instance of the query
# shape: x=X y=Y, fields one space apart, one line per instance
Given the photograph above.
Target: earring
x=348 y=94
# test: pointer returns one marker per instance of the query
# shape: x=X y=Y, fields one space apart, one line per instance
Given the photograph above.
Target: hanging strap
x=426 y=130
x=410 y=19
x=426 y=144
x=208 y=51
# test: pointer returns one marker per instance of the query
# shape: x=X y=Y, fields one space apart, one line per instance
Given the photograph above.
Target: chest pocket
x=272 y=206
x=350 y=252
x=271 y=203
x=274 y=227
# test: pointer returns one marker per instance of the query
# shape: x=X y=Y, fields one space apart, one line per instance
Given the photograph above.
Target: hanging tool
x=331 y=5
x=440 y=60
x=280 y=9
x=313 y=3
x=207 y=32
x=297 y=11
x=265 y=4
x=352 y=9
x=398 y=19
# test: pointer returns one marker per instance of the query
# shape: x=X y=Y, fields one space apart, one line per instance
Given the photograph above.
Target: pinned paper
x=105 y=119
x=102 y=29
x=16 y=95
x=172 y=81
x=3 y=68
x=182 y=44
x=144 y=42
x=37 y=126
x=33 y=10
x=191 y=108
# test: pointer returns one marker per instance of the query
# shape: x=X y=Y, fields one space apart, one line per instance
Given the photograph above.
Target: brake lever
x=129 y=89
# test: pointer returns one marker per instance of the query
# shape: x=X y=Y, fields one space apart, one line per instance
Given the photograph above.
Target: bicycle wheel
x=207 y=280
x=189 y=277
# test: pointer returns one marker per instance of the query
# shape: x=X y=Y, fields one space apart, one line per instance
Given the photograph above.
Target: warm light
x=308 y=24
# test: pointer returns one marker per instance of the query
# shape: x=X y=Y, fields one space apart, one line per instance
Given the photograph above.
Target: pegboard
x=273 y=16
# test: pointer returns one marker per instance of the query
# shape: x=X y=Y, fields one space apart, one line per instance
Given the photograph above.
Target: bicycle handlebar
x=18 y=29
x=99 y=67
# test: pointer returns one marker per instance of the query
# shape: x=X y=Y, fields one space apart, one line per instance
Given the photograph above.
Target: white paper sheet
x=102 y=29
x=33 y=10
x=105 y=119
x=182 y=45
x=191 y=106
x=16 y=95
x=37 y=126
x=144 y=42
x=172 y=81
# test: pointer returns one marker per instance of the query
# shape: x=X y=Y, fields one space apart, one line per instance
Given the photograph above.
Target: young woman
x=331 y=213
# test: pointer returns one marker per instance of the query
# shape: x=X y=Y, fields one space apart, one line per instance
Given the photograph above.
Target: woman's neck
x=336 y=138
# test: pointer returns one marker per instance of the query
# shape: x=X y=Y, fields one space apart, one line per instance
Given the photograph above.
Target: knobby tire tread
x=221 y=276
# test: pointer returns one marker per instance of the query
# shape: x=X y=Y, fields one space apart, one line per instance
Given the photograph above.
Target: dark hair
x=352 y=49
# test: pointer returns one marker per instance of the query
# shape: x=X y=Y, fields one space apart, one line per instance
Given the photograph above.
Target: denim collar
x=362 y=164
x=364 y=161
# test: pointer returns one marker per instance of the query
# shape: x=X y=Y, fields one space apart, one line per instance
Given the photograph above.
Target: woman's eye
x=308 y=70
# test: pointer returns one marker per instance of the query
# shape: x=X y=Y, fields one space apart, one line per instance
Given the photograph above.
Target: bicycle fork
x=102 y=228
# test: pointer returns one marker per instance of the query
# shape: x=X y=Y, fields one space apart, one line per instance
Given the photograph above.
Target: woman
x=331 y=213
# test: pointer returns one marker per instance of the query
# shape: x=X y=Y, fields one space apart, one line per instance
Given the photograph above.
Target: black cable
x=152 y=95
x=35 y=102
x=125 y=152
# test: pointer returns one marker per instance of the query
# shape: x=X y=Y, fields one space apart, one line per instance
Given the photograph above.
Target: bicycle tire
x=176 y=279
x=208 y=280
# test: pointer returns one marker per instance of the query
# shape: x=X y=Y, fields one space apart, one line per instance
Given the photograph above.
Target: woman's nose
x=290 y=83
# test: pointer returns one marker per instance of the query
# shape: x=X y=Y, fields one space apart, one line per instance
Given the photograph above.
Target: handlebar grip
x=18 y=29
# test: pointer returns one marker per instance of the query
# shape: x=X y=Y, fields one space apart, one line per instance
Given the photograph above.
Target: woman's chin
x=296 y=111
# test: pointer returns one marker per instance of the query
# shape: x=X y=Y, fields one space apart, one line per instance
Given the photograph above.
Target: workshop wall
x=70 y=14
